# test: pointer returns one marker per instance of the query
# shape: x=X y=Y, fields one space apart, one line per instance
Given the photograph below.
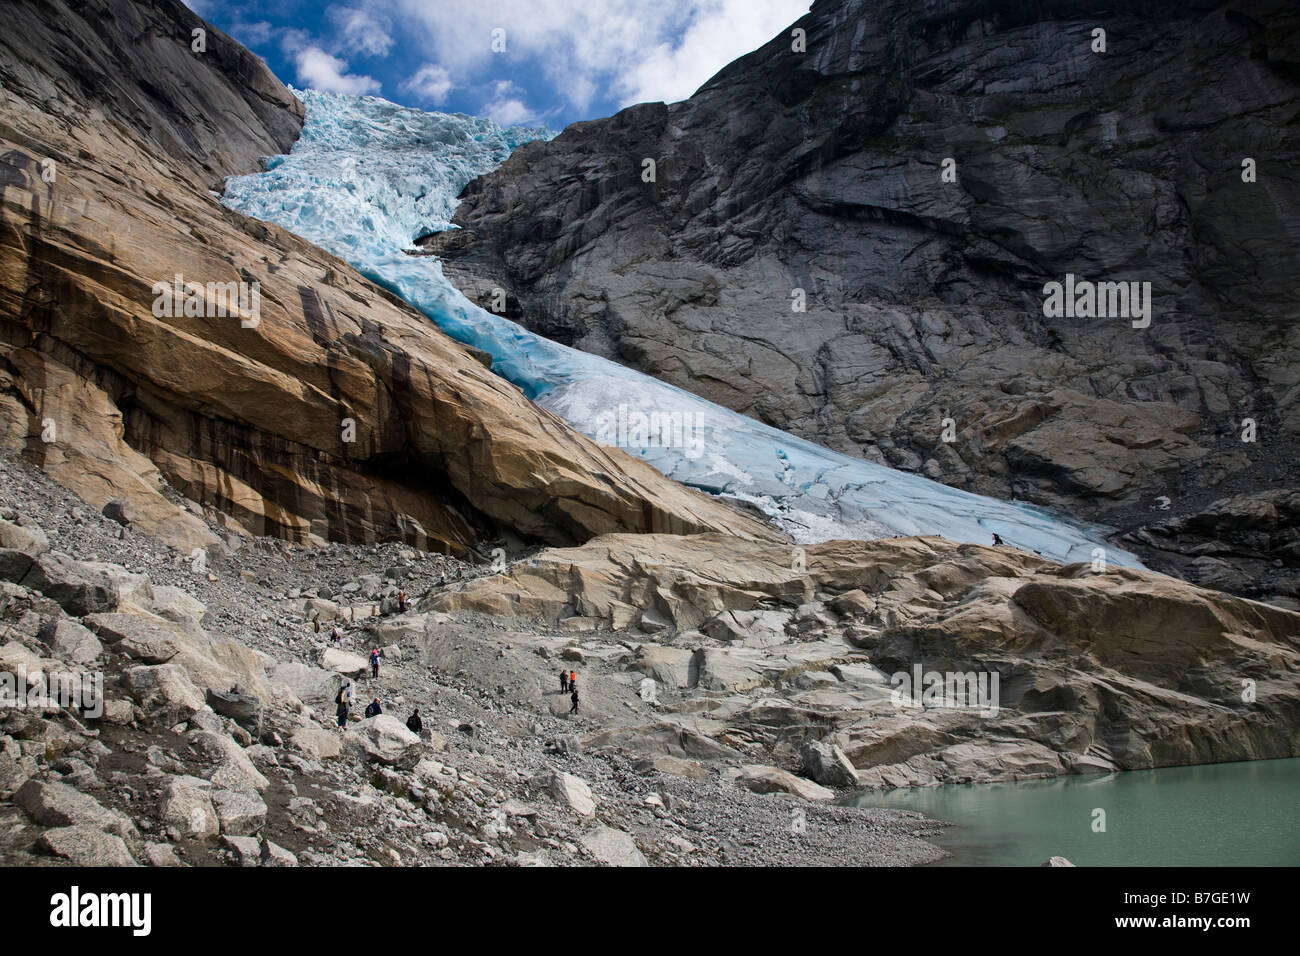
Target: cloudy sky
x=534 y=62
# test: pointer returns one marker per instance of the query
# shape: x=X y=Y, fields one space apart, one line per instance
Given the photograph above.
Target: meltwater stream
x=368 y=177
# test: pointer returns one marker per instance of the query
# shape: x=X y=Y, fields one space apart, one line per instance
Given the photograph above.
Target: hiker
x=564 y=682
x=574 y=698
x=573 y=680
x=460 y=571
x=373 y=709
x=342 y=699
x=315 y=622
x=442 y=579
x=401 y=602
x=336 y=637
x=374 y=663
x=413 y=723
x=997 y=541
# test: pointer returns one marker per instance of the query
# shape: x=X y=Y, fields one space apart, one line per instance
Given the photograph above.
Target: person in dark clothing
x=401 y=602
x=373 y=709
x=414 y=724
x=564 y=682
x=574 y=698
x=997 y=541
x=342 y=714
x=374 y=662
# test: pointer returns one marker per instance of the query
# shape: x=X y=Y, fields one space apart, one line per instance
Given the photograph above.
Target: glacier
x=368 y=177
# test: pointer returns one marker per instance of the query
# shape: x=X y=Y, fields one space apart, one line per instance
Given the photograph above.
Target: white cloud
x=361 y=30
x=320 y=71
x=430 y=83
x=637 y=49
x=726 y=30
x=509 y=112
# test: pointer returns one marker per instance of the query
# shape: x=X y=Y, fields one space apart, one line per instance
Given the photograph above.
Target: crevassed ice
x=368 y=177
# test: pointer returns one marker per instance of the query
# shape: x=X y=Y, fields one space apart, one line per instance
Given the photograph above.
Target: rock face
x=334 y=412
x=817 y=177
x=1038 y=669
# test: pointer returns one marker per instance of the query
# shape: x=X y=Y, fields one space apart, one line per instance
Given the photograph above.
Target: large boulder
x=570 y=791
x=80 y=589
x=229 y=766
x=241 y=812
x=762 y=779
x=177 y=605
x=28 y=539
x=186 y=805
x=58 y=805
x=385 y=740
x=86 y=845
x=164 y=691
x=141 y=637
x=70 y=641
x=307 y=682
x=613 y=847
x=827 y=764
x=316 y=742
x=344 y=664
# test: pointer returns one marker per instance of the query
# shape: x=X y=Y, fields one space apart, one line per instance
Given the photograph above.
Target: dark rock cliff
x=822 y=171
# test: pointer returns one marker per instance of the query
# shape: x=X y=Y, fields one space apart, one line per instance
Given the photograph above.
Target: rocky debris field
x=217 y=742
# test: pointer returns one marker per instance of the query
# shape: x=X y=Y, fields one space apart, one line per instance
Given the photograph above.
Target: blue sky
x=530 y=62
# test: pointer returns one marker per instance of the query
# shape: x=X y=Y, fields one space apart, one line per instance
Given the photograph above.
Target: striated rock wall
x=334 y=412
x=762 y=649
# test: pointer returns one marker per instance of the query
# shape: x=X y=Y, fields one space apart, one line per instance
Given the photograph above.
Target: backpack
x=342 y=696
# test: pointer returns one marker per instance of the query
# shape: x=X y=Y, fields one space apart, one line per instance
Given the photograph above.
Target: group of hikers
x=343 y=702
x=569 y=685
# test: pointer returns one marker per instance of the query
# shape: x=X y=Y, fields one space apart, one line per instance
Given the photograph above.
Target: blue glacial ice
x=368 y=177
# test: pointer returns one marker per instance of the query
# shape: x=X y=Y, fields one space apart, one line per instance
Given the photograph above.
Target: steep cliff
x=814 y=172
x=334 y=412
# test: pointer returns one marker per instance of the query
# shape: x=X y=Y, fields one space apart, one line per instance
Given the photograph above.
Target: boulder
x=229 y=766
x=164 y=691
x=345 y=664
x=80 y=589
x=70 y=641
x=186 y=805
x=316 y=742
x=14 y=564
x=761 y=779
x=177 y=605
x=307 y=682
x=241 y=812
x=385 y=740
x=58 y=805
x=572 y=792
x=28 y=539
x=86 y=845
x=119 y=510
x=243 y=709
x=141 y=637
x=613 y=847
x=827 y=764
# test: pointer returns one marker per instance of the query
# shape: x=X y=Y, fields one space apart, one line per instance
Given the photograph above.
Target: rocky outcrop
x=815 y=176
x=915 y=661
x=334 y=412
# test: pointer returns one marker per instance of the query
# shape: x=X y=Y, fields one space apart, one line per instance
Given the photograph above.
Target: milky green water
x=1228 y=814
